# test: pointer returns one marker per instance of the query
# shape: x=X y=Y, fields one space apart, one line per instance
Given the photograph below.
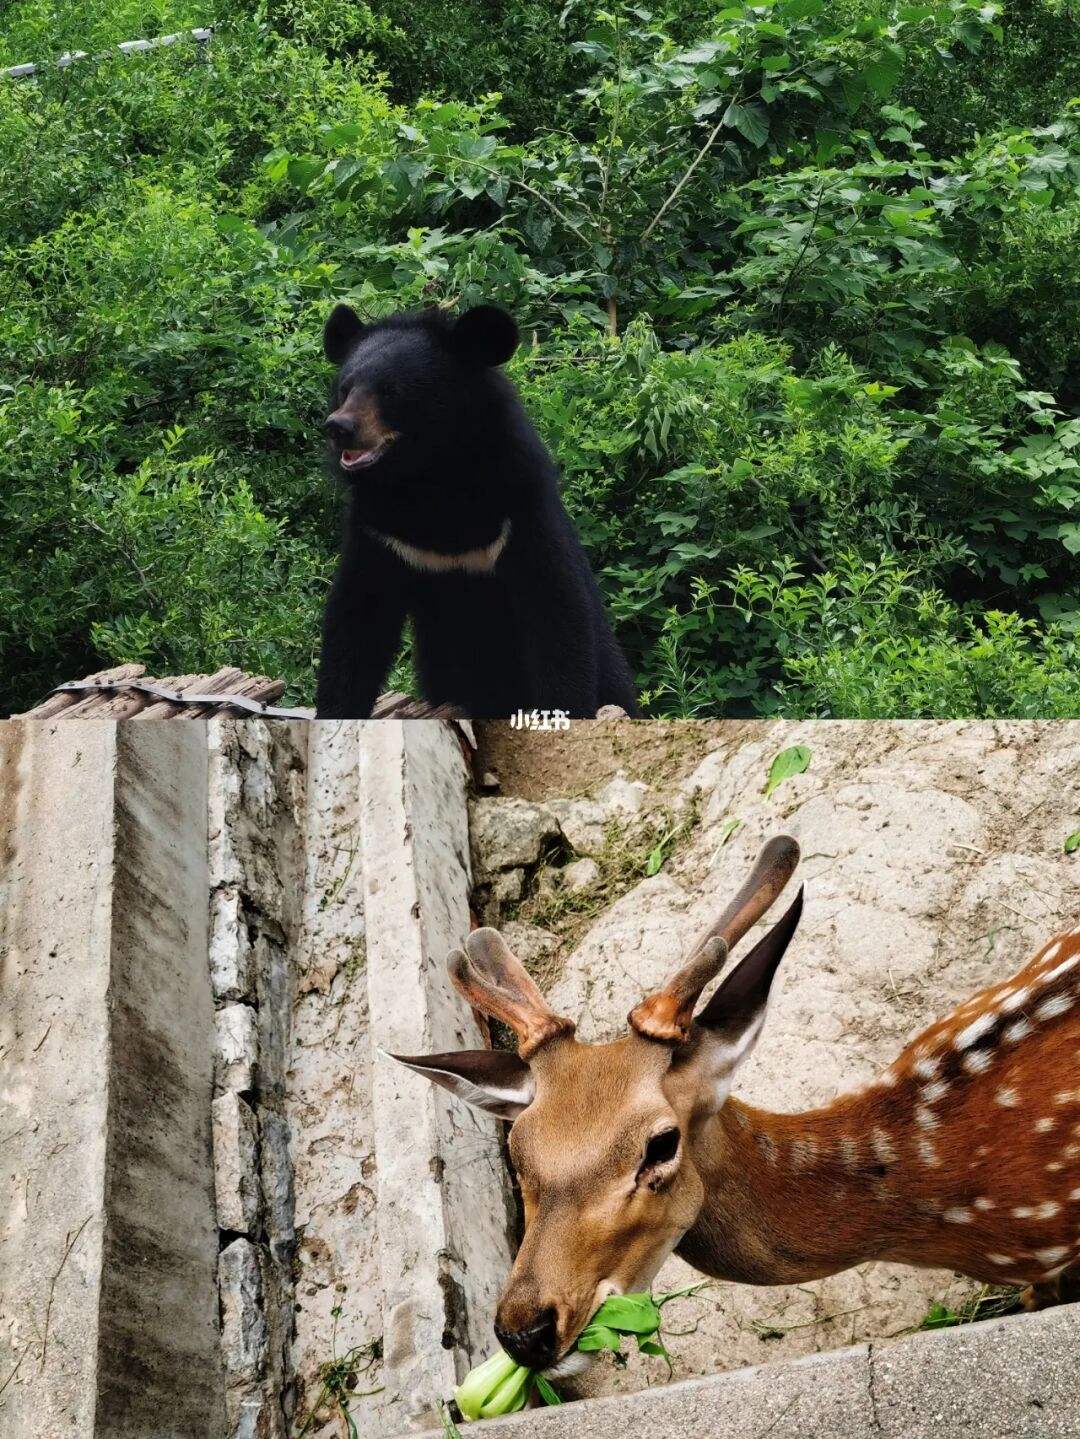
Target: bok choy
x=501 y=1386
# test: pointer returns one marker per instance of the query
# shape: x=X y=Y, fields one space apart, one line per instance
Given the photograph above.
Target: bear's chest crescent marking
x=474 y=562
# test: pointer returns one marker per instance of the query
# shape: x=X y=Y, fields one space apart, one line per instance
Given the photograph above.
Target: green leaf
x=657 y=856
x=476 y=147
x=700 y=54
x=544 y=1389
x=235 y=225
x=882 y=75
x=939 y=1317
x=629 y=1313
x=750 y=120
x=598 y=1336
x=789 y=762
x=1072 y=844
x=727 y=829
x=652 y=1346
x=348 y=134
x=302 y=172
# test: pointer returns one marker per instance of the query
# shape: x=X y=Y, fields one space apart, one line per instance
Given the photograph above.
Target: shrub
x=788 y=312
x=864 y=642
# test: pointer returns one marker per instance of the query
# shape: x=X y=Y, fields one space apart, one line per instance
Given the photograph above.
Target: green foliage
x=867 y=643
x=991 y=1302
x=1029 y=76
x=801 y=289
x=37 y=30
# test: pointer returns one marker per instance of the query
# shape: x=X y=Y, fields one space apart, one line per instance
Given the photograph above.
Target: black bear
x=454 y=520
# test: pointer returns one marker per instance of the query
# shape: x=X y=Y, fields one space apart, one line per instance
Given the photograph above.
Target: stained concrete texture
x=108 y=1246
x=339 y=1298
x=401 y=1200
x=934 y=864
x=441 y=1185
x=1015 y=1377
x=255 y=867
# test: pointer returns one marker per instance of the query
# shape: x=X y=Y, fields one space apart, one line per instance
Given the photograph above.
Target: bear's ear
x=485 y=334
x=343 y=329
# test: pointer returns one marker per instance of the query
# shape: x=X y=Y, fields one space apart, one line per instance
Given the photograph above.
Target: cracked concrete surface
x=933 y=861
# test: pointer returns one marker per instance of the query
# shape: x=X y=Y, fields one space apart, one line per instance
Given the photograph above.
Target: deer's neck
x=792 y=1197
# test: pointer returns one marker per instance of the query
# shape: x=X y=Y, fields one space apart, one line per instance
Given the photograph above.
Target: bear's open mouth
x=363 y=459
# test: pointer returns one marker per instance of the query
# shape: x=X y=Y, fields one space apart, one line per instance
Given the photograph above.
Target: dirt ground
x=934 y=863
x=538 y=766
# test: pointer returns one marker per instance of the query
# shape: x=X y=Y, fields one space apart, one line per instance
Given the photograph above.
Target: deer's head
x=603 y=1135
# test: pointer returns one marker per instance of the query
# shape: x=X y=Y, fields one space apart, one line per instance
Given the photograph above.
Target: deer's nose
x=535 y=1346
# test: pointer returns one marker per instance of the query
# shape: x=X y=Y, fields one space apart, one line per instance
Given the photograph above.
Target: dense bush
x=800 y=286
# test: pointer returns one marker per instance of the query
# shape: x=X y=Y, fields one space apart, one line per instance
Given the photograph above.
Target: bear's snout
x=358 y=433
x=340 y=429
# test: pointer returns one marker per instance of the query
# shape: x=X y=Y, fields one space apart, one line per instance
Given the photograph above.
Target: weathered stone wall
x=212 y=1188
x=255 y=801
x=108 y=1306
x=934 y=864
x=442 y=1192
x=328 y=1094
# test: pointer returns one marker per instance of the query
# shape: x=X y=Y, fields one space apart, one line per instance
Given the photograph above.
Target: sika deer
x=963 y=1154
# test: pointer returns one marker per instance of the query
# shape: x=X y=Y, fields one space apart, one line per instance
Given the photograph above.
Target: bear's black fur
x=454 y=519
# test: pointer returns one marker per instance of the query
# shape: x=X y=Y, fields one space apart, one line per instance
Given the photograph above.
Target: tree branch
x=694 y=163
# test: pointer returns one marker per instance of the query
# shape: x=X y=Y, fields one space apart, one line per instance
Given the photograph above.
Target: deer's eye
x=661 y=1149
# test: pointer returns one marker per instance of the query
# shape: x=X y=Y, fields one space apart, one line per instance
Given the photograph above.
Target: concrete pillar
x=443 y=1197
x=338 y=1301
x=108 y=1245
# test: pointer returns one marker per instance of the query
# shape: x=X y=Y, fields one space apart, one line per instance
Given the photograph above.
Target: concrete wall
x=211 y=1188
x=328 y=1094
x=442 y=1190
x=108 y=1309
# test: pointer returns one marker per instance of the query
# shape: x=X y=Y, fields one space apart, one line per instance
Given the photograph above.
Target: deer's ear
x=733 y=1019
x=491 y=1080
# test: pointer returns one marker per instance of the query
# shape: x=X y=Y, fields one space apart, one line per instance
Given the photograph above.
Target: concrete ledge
x=1018 y=1376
